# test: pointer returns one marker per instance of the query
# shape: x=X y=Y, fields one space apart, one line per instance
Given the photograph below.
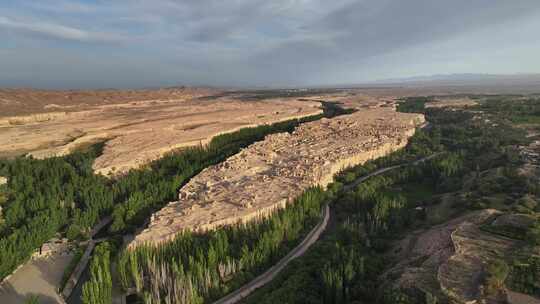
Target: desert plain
x=137 y=131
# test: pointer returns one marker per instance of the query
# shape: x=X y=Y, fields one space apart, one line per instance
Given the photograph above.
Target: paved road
x=311 y=238
x=271 y=273
x=383 y=170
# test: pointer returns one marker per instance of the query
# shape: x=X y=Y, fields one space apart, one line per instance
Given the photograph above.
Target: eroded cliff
x=268 y=174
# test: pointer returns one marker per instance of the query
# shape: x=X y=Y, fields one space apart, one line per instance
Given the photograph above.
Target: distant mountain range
x=469 y=79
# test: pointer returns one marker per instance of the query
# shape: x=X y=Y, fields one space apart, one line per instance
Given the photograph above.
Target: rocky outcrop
x=449 y=260
x=461 y=276
x=31 y=119
x=269 y=174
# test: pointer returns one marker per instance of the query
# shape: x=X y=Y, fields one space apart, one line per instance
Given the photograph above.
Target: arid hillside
x=268 y=174
x=31 y=101
x=449 y=260
x=137 y=132
x=139 y=126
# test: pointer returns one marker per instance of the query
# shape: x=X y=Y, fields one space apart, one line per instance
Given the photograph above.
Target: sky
x=147 y=43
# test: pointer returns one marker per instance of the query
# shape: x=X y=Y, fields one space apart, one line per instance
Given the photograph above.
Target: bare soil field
x=40 y=277
x=269 y=174
x=17 y=102
x=140 y=131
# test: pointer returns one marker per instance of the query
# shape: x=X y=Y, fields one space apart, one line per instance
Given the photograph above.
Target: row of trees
x=341 y=274
x=516 y=110
x=98 y=289
x=525 y=275
x=378 y=212
x=422 y=144
x=43 y=197
x=347 y=265
x=141 y=192
x=196 y=267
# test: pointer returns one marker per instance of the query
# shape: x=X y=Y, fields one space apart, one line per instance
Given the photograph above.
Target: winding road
x=383 y=170
x=271 y=273
x=310 y=239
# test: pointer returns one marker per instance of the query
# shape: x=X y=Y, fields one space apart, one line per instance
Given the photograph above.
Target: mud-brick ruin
x=269 y=174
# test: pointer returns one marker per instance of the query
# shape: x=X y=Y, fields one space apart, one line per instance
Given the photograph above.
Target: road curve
x=383 y=170
x=273 y=271
x=312 y=237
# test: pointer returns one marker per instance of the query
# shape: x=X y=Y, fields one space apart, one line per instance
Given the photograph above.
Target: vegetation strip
x=79 y=269
x=73 y=264
x=273 y=271
x=205 y=267
x=61 y=194
x=72 y=278
x=99 y=288
x=361 y=259
x=270 y=274
x=355 y=260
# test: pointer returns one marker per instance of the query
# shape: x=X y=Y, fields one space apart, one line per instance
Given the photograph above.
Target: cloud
x=263 y=42
x=62 y=6
x=370 y=28
x=362 y=31
x=57 y=31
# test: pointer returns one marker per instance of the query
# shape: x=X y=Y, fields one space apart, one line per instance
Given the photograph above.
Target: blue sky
x=121 y=43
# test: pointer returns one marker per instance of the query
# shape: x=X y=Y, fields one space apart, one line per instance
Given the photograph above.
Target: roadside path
x=312 y=237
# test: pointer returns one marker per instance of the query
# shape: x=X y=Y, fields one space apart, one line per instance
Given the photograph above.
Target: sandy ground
x=139 y=132
x=24 y=101
x=39 y=277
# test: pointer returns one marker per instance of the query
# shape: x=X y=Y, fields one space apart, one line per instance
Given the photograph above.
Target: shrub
x=496 y=273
